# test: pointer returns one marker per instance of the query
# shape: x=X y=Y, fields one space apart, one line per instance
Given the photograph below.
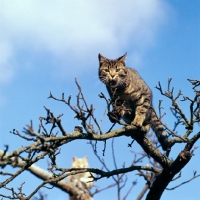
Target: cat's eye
x=106 y=70
x=117 y=70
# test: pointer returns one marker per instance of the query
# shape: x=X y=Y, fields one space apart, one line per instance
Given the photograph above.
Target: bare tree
x=46 y=143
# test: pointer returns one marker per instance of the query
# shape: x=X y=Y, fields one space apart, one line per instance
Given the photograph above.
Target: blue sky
x=43 y=46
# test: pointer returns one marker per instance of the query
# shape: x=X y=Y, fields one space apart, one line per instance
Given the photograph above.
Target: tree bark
x=162 y=180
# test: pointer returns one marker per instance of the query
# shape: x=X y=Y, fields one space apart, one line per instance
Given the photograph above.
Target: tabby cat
x=130 y=96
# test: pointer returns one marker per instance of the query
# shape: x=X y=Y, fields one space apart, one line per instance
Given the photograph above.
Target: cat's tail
x=157 y=127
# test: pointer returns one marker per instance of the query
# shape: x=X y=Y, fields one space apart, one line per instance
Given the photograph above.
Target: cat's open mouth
x=113 y=83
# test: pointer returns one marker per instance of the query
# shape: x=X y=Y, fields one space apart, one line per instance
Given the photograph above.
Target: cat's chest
x=125 y=99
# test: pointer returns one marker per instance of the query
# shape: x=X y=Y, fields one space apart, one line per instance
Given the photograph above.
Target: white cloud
x=75 y=31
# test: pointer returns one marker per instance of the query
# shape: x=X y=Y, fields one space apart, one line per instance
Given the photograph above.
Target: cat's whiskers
x=103 y=79
x=97 y=82
x=122 y=82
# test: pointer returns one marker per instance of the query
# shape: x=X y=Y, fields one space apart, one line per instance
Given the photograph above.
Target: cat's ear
x=74 y=159
x=122 y=58
x=86 y=157
x=101 y=58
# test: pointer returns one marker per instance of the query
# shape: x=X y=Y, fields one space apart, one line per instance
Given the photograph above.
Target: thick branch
x=168 y=173
x=151 y=150
x=138 y=135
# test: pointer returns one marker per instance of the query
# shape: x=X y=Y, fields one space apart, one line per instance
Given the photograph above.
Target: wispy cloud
x=75 y=31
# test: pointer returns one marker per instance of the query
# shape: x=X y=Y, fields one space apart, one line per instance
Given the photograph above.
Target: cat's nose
x=112 y=74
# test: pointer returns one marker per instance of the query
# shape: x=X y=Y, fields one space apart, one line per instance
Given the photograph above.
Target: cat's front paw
x=146 y=128
x=113 y=117
x=137 y=122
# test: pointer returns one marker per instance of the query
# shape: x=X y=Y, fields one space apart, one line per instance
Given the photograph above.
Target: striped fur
x=131 y=97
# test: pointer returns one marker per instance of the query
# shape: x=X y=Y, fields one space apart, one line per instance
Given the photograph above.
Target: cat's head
x=80 y=162
x=113 y=73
